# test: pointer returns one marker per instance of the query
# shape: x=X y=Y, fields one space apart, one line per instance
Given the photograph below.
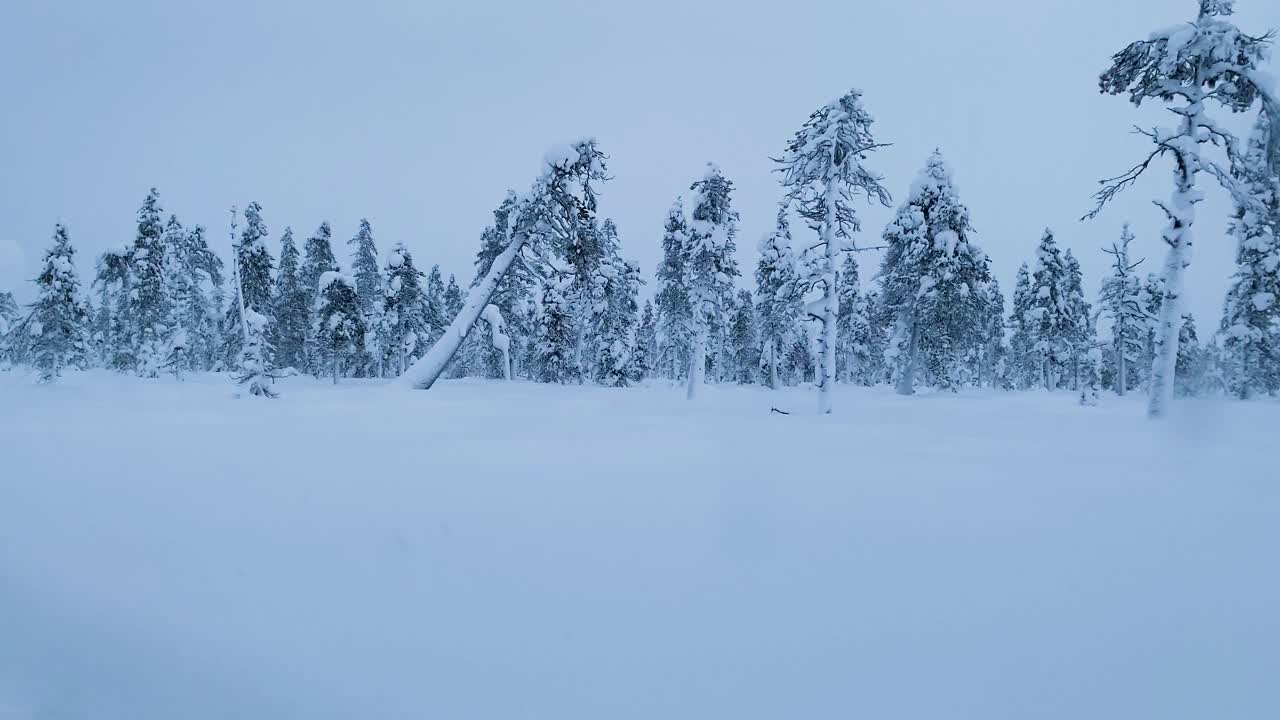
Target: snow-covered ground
x=491 y=550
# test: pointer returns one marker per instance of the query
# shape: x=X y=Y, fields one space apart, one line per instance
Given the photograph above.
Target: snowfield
x=513 y=550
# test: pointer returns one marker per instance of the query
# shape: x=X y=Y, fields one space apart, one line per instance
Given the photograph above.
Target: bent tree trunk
x=424 y=373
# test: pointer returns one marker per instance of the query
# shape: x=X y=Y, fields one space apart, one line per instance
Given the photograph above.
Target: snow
x=510 y=550
x=333 y=276
x=561 y=156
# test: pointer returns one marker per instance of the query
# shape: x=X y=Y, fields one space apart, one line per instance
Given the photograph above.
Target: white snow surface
x=512 y=550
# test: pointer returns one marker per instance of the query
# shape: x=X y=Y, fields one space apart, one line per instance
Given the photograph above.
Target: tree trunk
x=906 y=380
x=1122 y=380
x=697 y=360
x=827 y=381
x=424 y=373
x=1169 y=325
x=335 y=363
x=773 y=365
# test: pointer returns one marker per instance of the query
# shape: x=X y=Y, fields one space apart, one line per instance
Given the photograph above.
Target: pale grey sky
x=419 y=115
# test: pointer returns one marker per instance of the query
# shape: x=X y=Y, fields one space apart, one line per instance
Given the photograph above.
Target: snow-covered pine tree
x=710 y=265
x=255 y=269
x=932 y=279
x=1208 y=59
x=339 y=322
x=675 y=314
x=1049 y=314
x=822 y=172
x=148 y=310
x=57 y=323
x=317 y=259
x=1122 y=302
x=405 y=328
x=292 y=314
x=646 y=352
x=777 y=301
x=561 y=202
x=1251 y=316
x=512 y=296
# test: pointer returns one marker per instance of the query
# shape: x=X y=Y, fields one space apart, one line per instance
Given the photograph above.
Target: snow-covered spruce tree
x=1122 y=302
x=822 y=172
x=675 y=314
x=192 y=281
x=614 y=324
x=364 y=267
x=146 y=294
x=1190 y=65
x=1077 y=315
x=932 y=279
x=292 y=314
x=545 y=220
x=1251 y=316
x=777 y=303
x=554 y=342
x=255 y=269
x=57 y=324
x=849 y=296
x=180 y=291
x=339 y=322
x=646 y=352
x=870 y=337
x=368 y=277
x=1048 y=314
x=1023 y=366
x=114 y=322
x=991 y=353
x=317 y=259
x=1191 y=360
x=710 y=266
x=9 y=318
x=405 y=328
x=1089 y=364
x=743 y=342
x=433 y=309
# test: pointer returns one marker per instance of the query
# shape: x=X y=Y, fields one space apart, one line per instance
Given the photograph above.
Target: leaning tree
x=559 y=206
x=1208 y=60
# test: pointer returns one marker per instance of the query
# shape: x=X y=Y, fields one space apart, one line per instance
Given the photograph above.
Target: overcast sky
x=419 y=115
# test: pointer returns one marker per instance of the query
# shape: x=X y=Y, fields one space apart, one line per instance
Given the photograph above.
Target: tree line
x=554 y=300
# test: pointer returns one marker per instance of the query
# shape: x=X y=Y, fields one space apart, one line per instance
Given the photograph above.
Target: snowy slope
x=489 y=550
